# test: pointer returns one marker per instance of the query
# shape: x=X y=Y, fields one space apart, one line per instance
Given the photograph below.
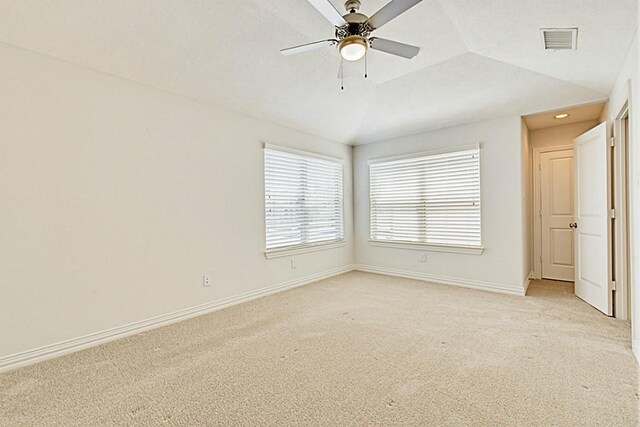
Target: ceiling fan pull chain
x=365 y=65
x=341 y=73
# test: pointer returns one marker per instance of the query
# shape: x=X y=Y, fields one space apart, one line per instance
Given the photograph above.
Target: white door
x=557 y=198
x=592 y=219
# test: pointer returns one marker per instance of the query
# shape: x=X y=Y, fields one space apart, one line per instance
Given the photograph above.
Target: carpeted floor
x=357 y=349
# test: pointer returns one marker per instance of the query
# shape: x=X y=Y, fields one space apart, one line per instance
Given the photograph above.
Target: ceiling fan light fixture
x=353 y=48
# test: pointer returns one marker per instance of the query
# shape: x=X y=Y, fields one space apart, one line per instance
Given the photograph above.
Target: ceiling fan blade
x=328 y=11
x=307 y=47
x=392 y=10
x=394 y=48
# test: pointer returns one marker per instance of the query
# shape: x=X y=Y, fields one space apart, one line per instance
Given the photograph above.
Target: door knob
x=573 y=225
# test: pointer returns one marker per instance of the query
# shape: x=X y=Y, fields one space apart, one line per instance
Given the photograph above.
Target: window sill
x=294 y=250
x=459 y=249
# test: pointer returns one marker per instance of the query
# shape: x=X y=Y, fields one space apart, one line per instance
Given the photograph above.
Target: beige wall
x=559 y=135
x=117 y=198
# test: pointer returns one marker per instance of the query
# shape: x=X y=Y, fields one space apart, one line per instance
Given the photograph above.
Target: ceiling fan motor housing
x=356 y=26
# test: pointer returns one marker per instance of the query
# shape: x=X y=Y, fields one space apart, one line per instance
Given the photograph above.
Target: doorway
x=620 y=245
x=552 y=134
x=572 y=151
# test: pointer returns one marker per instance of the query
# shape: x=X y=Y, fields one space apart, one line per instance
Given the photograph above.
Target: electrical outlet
x=206 y=280
x=423 y=257
x=293 y=264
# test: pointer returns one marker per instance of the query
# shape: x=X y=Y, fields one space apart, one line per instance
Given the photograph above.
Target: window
x=427 y=200
x=303 y=200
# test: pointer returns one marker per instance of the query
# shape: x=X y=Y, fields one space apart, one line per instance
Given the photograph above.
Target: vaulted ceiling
x=478 y=59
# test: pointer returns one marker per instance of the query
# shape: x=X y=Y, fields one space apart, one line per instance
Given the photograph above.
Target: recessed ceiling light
x=562 y=116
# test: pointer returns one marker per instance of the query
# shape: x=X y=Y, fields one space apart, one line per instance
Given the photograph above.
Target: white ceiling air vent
x=559 y=38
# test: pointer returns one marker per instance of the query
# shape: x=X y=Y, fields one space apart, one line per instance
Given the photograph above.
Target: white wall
x=117 y=198
x=627 y=87
x=502 y=264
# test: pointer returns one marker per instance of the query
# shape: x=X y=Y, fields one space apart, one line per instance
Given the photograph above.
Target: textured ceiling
x=478 y=59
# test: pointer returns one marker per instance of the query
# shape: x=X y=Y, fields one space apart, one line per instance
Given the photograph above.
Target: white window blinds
x=303 y=199
x=431 y=199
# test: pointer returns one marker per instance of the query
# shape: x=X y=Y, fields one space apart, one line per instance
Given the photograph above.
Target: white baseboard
x=28 y=357
x=528 y=281
x=466 y=283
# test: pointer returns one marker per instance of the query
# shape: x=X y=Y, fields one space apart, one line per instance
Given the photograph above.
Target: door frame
x=537 y=205
x=621 y=268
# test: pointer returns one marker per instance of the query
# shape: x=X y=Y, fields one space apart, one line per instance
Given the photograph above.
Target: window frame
x=284 y=251
x=435 y=247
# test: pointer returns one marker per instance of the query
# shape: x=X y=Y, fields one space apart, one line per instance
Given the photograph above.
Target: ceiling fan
x=353 y=30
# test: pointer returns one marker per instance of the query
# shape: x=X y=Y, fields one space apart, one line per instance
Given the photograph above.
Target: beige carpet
x=357 y=349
